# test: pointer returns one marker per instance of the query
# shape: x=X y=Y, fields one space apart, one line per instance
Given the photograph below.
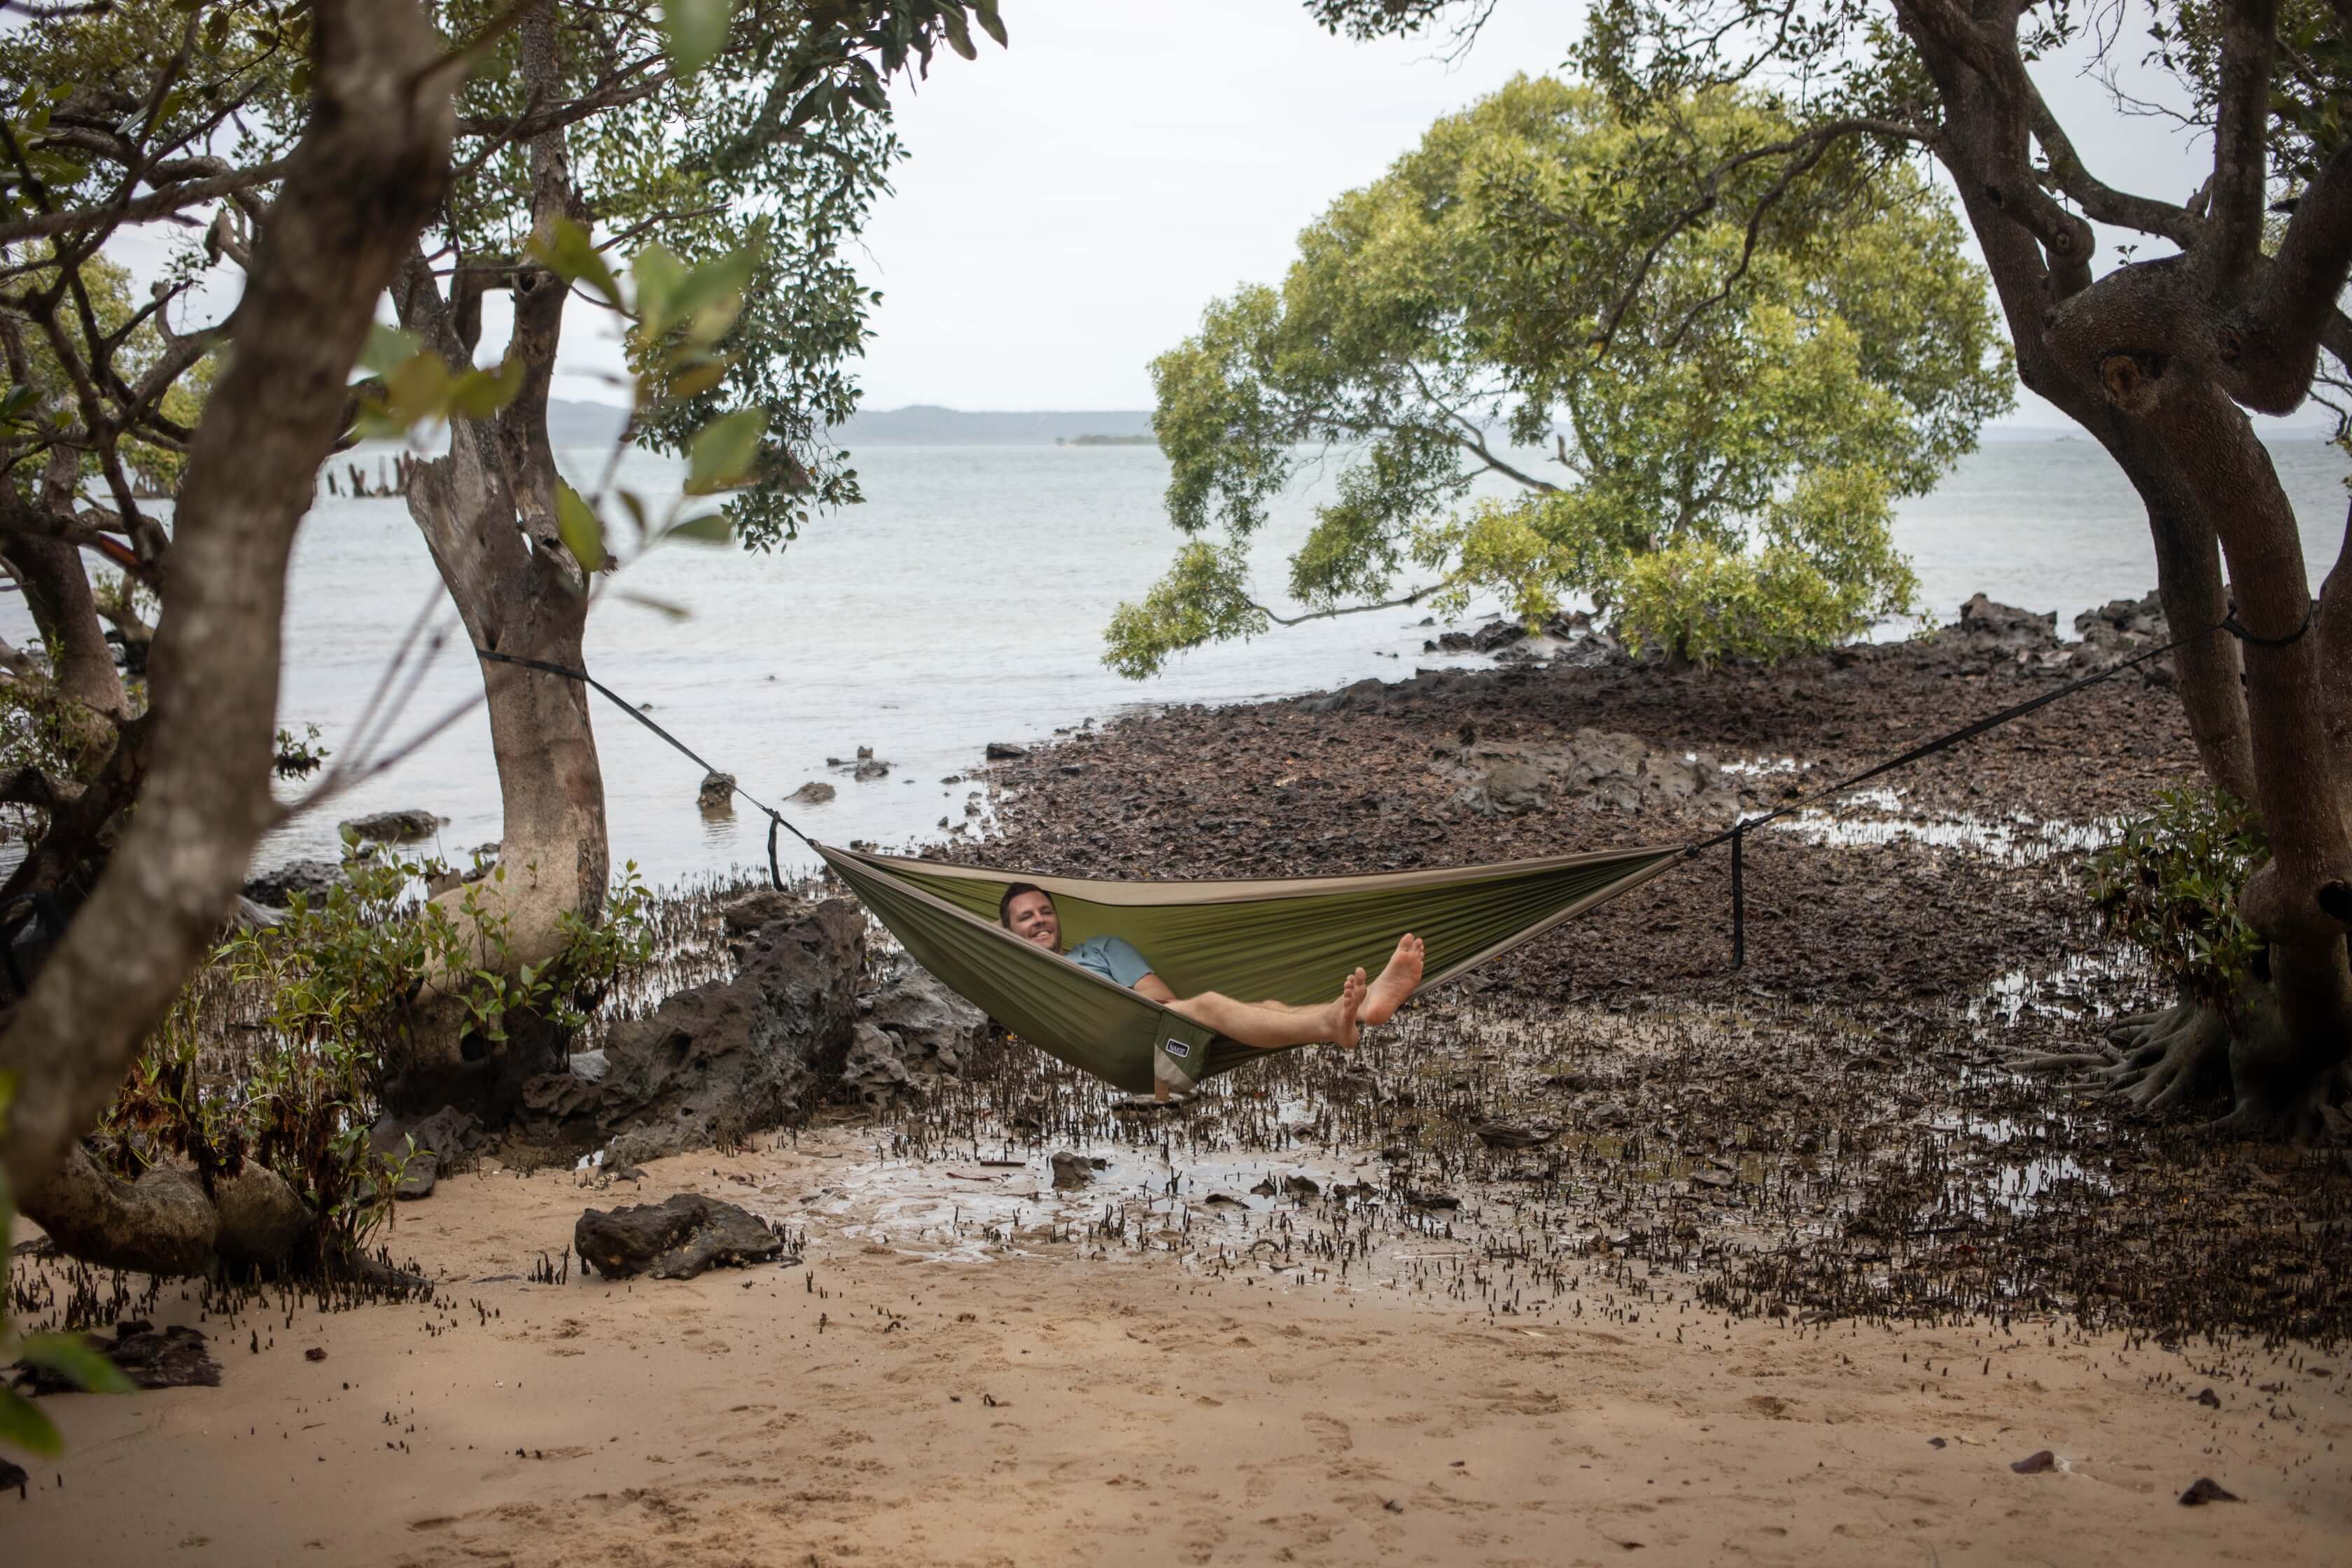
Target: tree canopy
x=1550 y=359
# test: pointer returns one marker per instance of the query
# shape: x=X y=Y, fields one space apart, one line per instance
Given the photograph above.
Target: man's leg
x=1266 y=1028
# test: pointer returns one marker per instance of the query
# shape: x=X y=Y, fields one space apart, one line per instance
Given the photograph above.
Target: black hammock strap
x=775 y=818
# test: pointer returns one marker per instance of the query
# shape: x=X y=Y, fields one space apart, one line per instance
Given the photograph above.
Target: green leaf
x=722 y=456
x=24 y=1426
x=959 y=35
x=712 y=294
x=668 y=608
x=388 y=348
x=990 y=22
x=482 y=392
x=694 y=31
x=71 y=1356
x=634 y=505
x=581 y=533
x=697 y=378
x=712 y=528
x=569 y=252
x=658 y=274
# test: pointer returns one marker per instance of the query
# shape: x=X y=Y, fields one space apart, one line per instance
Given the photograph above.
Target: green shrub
x=277 y=1049
x=2171 y=884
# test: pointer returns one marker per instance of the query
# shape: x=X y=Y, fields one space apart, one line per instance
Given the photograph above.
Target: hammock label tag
x=1180 y=1049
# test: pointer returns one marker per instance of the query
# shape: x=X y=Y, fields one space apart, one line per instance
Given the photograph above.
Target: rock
x=816 y=792
x=747 y=912
x=725 y=1059
x=176 y=1357
x=869 y=770
x=314 y=880
x=1071 y=1170
x=263 y=1220
x=1369 y=692
x=718 y=792
x=1503 y=1135
x=917 y=1032
x=2205 y=1490
x=392 y=826
x=1603 y=768
x=674 y=1240
x=588 y=1066
x=419 y=1174
x=1005 y=751
x=2035 y=1463
x=12 y=1476
x=250 y=916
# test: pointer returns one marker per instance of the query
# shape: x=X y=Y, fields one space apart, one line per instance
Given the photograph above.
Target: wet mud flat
x=1611 y=1119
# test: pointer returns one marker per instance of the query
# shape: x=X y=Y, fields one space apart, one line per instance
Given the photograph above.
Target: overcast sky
x=1072 y=203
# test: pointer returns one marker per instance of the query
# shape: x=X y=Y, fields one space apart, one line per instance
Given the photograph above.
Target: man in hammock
x=1027 y=912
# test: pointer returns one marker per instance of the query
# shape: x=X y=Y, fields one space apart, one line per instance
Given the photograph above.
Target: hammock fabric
x=1290 y=939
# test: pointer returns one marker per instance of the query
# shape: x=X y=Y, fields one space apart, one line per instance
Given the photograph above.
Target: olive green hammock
x=1290 y=939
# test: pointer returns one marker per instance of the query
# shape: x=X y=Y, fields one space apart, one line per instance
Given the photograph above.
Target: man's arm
x=1151 y=985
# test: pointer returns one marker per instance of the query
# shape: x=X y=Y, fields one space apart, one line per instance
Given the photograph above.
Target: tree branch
x=2242 y=122
x=141 y=209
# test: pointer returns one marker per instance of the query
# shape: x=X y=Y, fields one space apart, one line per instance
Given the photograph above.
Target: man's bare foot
x=1397 y=982
x=1344 y=1011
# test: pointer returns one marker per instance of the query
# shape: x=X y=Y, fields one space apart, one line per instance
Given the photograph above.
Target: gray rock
x=314 y=880
x=263 y=1220
x=673 y=1241
x=1367 y=692
x=816 y=792
x=419 y=1174
x=1005 y=751
x=868 y=770
x=761 y=907
x=718 y=792
x=588 y=1066
x=915 y=1032
x=1071 y=1171
x=1605 y=768
x=250 y=916
x=393 y=826
x=723 y=1060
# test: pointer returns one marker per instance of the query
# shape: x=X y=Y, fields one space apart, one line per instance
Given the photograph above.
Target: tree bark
x=370 y=168
x=487 y=512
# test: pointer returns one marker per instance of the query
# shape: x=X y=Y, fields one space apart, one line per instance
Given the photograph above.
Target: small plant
x=277 y=1052
x=299 y=759
x=2169 y=885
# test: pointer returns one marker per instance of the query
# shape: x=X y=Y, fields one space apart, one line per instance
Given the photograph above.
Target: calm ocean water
x=964 y=602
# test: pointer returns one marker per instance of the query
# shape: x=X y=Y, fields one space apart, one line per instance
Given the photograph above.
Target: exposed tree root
x=2167 y=1058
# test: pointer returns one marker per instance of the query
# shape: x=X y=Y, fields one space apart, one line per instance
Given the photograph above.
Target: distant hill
x=928 y=425
x=571 y=423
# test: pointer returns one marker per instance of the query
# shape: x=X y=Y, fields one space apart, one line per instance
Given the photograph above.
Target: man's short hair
x=1004 y=904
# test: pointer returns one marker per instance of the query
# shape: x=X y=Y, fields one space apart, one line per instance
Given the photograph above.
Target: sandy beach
x=909 y=1396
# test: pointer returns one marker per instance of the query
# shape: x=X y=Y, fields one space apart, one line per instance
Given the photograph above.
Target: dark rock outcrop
x=717 y=1063
x=816 y=792
x=314 y=880
x=718 y=792
x=176 y=1357
x=263 y=1220
x=915 y=1032
x=1005 y=751
x=1594 y=767
x=673 y=1241
x=392 y=826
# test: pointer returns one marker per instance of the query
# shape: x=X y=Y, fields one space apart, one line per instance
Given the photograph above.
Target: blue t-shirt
x=1111 y=958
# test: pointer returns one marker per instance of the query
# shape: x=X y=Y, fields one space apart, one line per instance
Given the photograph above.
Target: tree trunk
x=487 y=512
x=371 y=167
x=2140 y=358
x=526 y=598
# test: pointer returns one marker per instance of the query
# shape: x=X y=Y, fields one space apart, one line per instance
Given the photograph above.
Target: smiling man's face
x=1030 y=917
